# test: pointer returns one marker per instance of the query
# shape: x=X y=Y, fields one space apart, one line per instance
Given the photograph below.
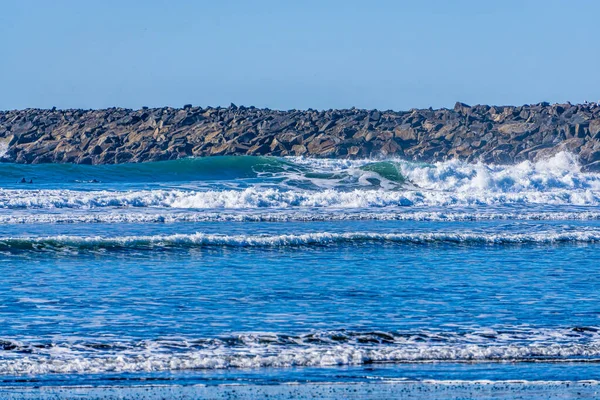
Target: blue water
x=264 y=270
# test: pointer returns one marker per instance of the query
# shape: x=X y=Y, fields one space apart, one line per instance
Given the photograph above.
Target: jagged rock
x=462 y=108
x=594 y=128
x=405 y=133
x=299 y=149
x=516 y=128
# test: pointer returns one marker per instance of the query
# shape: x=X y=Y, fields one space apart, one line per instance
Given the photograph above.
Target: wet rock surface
x=492 y=134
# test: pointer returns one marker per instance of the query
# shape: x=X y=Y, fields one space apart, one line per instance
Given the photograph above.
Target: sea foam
x=275 y=198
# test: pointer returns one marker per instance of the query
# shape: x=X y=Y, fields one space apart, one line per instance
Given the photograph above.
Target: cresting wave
x=325 y=348
x=188 y=169
x=198 y=240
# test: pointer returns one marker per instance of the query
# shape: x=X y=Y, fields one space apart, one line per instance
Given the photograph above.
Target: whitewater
x=264 y=270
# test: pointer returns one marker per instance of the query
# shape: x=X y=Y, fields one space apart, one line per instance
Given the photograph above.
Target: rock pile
x=116 y=135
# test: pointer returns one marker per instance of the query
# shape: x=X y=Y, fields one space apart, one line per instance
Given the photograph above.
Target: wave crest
x=83 y=243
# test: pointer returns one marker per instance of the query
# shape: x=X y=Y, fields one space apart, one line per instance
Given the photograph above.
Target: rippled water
x=253 y=269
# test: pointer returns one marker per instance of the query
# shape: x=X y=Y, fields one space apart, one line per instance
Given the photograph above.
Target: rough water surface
x=380 y=277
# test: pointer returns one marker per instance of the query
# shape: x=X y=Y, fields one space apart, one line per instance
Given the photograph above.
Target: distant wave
x=133 y=217
x=197 y=240
x=274 y=198
x=323 y=348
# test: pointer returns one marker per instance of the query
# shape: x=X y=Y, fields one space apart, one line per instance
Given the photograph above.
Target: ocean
x=254 y=276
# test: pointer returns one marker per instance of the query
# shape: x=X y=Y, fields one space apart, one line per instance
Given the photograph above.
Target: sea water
x=271 y=271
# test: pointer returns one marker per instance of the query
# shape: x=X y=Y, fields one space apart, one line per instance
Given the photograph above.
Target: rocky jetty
x=493 y=134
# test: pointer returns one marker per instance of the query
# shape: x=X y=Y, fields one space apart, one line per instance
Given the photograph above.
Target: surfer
x=23 y=180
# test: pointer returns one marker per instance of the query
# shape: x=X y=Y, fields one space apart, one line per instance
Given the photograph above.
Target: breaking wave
x=309 y=183
x=322 y=348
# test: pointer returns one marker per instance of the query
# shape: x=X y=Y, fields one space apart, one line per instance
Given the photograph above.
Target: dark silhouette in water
x=23 y=180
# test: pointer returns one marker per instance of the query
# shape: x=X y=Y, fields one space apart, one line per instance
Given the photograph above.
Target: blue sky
x=297 y=54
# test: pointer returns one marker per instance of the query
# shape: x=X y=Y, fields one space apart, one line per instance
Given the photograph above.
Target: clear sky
x=297 y=54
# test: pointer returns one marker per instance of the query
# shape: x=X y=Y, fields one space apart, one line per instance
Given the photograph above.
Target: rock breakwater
x=493 y=134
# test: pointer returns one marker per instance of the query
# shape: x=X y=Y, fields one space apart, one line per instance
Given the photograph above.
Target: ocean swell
x=198 y=240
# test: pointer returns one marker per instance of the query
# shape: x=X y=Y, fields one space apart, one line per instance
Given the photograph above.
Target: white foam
x=559 y=172
x=273 y=198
